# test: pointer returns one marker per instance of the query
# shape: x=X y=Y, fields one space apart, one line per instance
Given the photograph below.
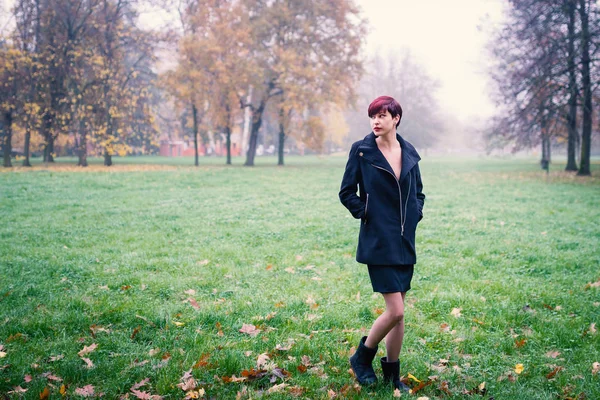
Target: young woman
x=384 y=167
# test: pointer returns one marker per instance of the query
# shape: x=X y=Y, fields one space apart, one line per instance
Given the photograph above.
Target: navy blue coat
x=389 y=209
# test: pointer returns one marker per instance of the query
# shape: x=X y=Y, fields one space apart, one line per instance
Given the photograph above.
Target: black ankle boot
x=362 y=364
x=391 y=374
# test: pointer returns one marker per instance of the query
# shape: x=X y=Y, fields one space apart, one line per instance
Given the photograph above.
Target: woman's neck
x=388 y=141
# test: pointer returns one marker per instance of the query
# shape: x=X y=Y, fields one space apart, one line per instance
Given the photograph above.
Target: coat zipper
x=366 y=208
x=400 y=192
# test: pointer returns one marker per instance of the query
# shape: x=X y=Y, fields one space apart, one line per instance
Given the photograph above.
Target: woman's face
x=383 y=123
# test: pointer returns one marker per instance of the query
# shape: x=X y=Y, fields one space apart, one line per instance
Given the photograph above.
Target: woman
x=390 y=204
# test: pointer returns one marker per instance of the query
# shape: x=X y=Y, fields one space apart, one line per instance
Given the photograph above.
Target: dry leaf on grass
x=250 y=329
x=86 y=391
x=193 y=303
x=456 y=312
x=553 y=354
x=87 y=349
x=17 y=389
x=51 y=377
x=595 y=368
x=553 y=373
x=88 y=362
x=277 y=388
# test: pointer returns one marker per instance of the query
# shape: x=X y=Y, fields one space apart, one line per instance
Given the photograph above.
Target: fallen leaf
x=290 y=270
x=203 y=361
x=397 y=393
x=203 y=262
x=262 y=360
x=249 y=329
x=595 y=284
x=331 y=394
x=140 y=384
x=2 y=354
x=519 y=368
x=135 y=331
x=520 y=343
x=410 y=376
x=63 y=389
x=445 y=327
x=553 y=354
x=179 y=324
x=188 y=384
x=456 y=312
x=296 y=391
x=277 y=388
x=27 y=378
x=592 y=329
x=87 y=349
x=145 y=395
x=89 y=363
x=51 y=377
x=86 y=391
x=18 y=389
x=194 y=303
x=45 y=393
x=298 y=258
x=154 y=352
x=191 y=292
x=595 y=368
x=553 y=372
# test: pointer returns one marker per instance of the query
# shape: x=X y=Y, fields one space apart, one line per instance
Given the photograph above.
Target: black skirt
x=391 y=278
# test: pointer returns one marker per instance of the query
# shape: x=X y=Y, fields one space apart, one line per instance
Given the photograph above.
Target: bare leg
x=390 y=324
x=394 y=338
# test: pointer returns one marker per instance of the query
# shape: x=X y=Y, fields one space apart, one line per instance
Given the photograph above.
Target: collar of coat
x=369 y=151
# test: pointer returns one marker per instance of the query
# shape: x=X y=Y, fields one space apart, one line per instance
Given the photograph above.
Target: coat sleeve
x=420 y=194
x=352 y=176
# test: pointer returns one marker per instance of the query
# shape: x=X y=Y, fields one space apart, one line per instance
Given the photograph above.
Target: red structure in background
x=181 y=148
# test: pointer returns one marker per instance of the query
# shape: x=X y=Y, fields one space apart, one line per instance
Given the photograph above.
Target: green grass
x=119 y=248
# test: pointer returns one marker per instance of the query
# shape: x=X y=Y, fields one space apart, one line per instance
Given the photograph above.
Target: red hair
x=383 y=104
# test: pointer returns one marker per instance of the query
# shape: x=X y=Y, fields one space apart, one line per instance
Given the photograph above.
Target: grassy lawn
x=139 y=273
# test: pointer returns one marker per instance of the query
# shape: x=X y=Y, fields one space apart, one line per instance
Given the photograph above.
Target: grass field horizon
x=118 y=275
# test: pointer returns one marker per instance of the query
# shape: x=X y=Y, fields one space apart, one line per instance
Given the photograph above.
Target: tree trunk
x=26 y=146
x=7 y=138
x=195 y=128
x=572 y=116
x=586 y=135
x=82 y=149
x=49 y=149
x=281 y=137
x=228 y=142
x=256 y=123
x=107 y=159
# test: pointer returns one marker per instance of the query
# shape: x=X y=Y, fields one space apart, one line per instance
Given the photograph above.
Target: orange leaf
x=203 y=362
x=45 y=393
x=553 y=372
x=520 y=343
x=136 y=331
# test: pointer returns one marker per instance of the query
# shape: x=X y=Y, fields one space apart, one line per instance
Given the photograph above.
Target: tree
x=536 y=72
x=585 y=6
x=305 y=51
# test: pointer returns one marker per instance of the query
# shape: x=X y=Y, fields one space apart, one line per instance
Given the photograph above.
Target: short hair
x=383 y=104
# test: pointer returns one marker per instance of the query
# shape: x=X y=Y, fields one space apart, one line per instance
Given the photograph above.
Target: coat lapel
x=370 y=152
x=410 y=157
